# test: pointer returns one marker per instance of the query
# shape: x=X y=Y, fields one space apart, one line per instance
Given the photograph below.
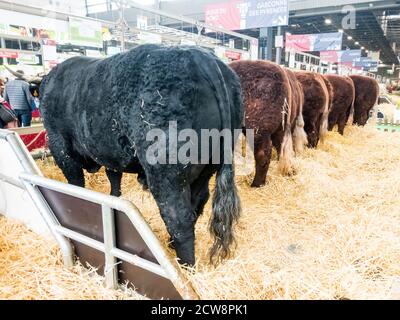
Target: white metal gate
x=98 y=228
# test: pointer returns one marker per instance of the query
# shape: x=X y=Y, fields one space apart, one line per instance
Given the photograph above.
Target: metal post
x=270 y=43
x=157 y=5
x=279 y=50
x=122 y=24
x=87 y=8
x=266 y=42
x=110 y=269
x=3 y=45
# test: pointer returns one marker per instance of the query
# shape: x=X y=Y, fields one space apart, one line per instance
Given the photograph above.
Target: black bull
x=98 y=112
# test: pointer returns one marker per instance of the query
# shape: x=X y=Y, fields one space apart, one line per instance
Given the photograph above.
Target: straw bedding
x=31 y=268
x=329 y=232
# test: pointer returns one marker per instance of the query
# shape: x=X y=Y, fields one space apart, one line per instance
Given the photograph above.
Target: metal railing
x=388 y=126
x=31 y=180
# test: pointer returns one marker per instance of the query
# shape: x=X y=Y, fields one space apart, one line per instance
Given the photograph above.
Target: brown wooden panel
x=129 y=240
x=82 y=216
x=76 y=214
x=147 y=283
x=85 y=217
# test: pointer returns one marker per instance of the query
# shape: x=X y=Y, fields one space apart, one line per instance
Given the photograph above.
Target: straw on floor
x=329 y=232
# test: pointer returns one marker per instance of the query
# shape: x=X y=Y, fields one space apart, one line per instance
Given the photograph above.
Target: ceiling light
x=328 y=21
x=349 y=38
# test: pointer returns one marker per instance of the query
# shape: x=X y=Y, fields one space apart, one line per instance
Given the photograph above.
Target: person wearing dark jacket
x=17 y=94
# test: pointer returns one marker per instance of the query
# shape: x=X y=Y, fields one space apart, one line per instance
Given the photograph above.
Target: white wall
x=16 y=203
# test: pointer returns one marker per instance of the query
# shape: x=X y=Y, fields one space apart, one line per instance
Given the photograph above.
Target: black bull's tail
x=226 y=203
x=226 y=211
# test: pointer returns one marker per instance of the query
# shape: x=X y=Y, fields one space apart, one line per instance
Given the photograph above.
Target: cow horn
x=15 y=73
x=36 y=79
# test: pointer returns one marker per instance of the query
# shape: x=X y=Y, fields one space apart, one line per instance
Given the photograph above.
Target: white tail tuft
x=323 y=130
x=286 y=155
x=350 y=121
x=299 y=135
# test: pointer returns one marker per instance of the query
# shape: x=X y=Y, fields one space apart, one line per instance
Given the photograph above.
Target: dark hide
x=316 y=105
x=296 y=111
x=266 y=92
x=342 y=101
x=367 y=94
x=297 y=97
x=330 y=91
x=98 y=112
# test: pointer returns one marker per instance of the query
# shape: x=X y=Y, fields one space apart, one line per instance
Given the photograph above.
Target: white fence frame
x=32 y=178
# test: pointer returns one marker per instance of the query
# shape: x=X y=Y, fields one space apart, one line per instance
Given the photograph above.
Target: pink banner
x=8 y=54
x=223 y=15
x=350 y=65
x=330 y=56
x=299 y=42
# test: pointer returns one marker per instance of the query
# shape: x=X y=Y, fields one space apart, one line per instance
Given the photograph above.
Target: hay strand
x=328 y=232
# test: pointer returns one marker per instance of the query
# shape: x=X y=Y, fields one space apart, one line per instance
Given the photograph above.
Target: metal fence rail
x=388 y=126
x=102 y=237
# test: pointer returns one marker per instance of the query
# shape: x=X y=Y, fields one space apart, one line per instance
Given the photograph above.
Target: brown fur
x=367 y=95
x=268 y=102
x=316 y=106
x=297 y=102
x=342 y=101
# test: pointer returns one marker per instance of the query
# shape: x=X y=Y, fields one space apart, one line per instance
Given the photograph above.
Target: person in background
x=17 y=94
x=2 y=84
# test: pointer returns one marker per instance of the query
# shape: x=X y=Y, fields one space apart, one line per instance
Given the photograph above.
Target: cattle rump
x=99 y=112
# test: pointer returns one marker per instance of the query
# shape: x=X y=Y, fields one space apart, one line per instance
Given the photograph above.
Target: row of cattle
x=98 y=112
x=281 y=104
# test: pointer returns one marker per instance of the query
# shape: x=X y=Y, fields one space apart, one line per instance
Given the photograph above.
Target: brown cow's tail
x=323 y=130
x=299 y=135
x=286 y=155
x=350 y=121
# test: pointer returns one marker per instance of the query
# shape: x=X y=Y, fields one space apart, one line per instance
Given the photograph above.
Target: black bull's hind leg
x=173 y=196
x=63 y=156
x=115 y=181
x=200 y=194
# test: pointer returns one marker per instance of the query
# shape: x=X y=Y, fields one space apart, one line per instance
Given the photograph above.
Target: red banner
x=233 y=55
x=223 y=15
x=299 y=42
x=35 y=140
x=247 y=14
x=8 y=54
x=330 y=56
x=315 y=42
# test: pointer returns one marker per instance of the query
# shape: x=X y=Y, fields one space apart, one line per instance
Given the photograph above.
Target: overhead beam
x=186 y=19
x=308 y=8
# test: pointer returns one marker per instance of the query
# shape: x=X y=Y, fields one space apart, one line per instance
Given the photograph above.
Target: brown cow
x=343 y=95
x=316 y=106
x=367 y=95
x=270 y=111
x=297 y=103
